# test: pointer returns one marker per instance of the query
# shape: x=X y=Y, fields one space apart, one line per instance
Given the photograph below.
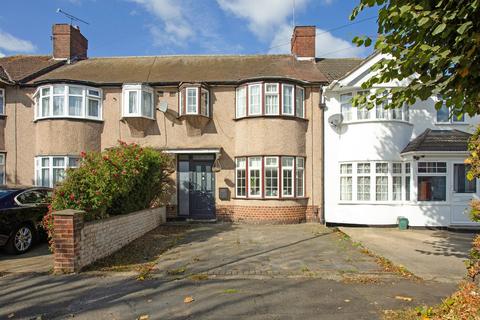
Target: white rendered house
x=382 y=164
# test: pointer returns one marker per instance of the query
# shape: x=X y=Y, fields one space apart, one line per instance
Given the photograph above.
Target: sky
x=168 y=27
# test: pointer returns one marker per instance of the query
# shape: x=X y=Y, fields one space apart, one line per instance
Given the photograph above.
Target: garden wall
x=78 y=243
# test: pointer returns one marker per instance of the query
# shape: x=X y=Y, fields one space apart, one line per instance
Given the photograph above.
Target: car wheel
x=22 y=239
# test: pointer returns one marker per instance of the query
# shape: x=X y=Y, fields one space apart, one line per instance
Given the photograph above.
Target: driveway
x=37 y=260
x=431 y=254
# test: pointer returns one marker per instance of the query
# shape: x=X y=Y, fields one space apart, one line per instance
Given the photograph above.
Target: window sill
x=383 y=203
x=191 y=115
x=67 y=118
x=124 y=117
x=286 y=117
x=451 y=123
x=377 y=121
x=3 y=116
x=283 y=199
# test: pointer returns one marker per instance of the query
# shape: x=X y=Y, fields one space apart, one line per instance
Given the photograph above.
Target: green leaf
x=439 y=29
x=423 y=21
x=464 y=27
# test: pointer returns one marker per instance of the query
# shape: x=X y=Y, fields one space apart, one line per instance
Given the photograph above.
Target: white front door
x=462 y=192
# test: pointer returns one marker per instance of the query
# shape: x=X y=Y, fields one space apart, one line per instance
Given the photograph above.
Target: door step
x=201 y=220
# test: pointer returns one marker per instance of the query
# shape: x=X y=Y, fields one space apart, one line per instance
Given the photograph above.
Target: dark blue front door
x=196 y=186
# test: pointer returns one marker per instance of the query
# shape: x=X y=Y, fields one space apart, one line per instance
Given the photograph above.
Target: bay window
x=68 y=101
x=255 y=99
x=287 y=176
x=50 y=170
x=2 y=101
x=138 y=101
x=381 y=181
x=288 y=99
x=397 y=181
x=2 y=169
x=271 y=177
x=346 y=106
x=194 y=101
x=241 y=177
x=408 y=181
x=432 y=181
x=271 y=99
x=255 y=174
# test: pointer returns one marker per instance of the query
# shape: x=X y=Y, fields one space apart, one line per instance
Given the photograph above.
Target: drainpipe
x=321 y=106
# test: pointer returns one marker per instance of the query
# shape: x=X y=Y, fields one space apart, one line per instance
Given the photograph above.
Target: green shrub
x=118 y=180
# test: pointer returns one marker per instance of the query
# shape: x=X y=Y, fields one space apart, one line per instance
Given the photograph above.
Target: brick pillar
x=67 y=225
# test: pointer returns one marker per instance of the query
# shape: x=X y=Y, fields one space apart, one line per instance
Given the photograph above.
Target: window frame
x=343 y=176
x=38 y=161
x=277 y=169
x=85 y=96
x=238 y=96
x=260 y=177
x=298 y=169
x=272 y=94
x=244 y=169
x=3 y=103
x=139 y=111
x=292 y=98
x=3 y=165
x=434 y=172
x=262 y=195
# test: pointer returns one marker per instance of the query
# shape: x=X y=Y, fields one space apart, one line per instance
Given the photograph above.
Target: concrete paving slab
x=37 y=260
x=430 y=254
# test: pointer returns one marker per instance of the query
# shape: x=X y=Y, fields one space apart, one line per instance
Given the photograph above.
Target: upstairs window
x=194 y=101
x=346 y=106
x=68 y=101
x=138 y=101
x=2 y=101
x=270 y=99
x=445 y=115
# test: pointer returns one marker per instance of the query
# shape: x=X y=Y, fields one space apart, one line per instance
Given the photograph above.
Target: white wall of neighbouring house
x=383 y=140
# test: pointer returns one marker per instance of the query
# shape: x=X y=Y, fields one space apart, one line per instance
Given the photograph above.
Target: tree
x=434 y=44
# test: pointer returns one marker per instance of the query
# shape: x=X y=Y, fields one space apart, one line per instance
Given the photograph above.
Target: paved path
x=38 y=259
x=431 y=254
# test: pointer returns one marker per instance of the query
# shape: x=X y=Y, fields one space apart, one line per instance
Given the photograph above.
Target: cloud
x=263 y=16
x=2 y=55
x=9 y=42
x=326 y=46
x=176 y=27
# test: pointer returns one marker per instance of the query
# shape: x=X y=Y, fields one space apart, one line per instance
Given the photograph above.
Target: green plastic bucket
x=402 y=223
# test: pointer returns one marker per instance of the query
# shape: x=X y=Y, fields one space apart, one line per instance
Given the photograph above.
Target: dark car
x=21 y=213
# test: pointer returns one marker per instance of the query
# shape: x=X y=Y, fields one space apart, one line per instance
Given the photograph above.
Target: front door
x=461 y=194
x=196 y=185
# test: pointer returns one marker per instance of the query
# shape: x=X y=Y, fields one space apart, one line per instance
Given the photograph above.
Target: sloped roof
x=23 y=67
x=439 y=140
x=335 y=69
x=220 y=68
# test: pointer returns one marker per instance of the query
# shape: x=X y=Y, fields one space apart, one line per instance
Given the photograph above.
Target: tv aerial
x=71 y=17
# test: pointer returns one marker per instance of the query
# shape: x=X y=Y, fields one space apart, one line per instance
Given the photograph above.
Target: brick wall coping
x=68 y=212
x=120 y=216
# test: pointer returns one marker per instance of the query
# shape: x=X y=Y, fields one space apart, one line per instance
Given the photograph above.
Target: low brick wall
x=267 y=214
x=78 y=244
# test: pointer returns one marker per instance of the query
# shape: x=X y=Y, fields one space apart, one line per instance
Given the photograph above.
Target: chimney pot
x=68 y=42
x=303 y=42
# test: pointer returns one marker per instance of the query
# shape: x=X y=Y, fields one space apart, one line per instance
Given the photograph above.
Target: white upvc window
x=255 y=177
x=363 y=181
x=241 y=177
x=288 y=176
x=432 y=181
x=408 y=180
x=363 y=113
x=2 y=169
x=397 y=181
x=381 y=181
x=241 y=105
x=138 y=101
x=50 y=170
x=346 y=189
x=192 y=101
x=2 y=101
x=68 y=101
x=346 y=106
x=255 y=99
x=271 y=177
x=300 y=102
x=300 y=176
x=288 y=99
x=446 y=116
x=271 y=99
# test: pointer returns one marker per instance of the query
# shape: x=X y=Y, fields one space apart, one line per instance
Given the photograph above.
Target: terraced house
x=251 y=134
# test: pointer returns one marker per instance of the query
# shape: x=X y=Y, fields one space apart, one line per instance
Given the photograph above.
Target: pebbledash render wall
x=78 y=244
x=26 y=138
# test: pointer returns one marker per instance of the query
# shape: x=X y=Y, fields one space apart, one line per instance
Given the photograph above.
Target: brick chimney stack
x=303 y=42
x=68 y=42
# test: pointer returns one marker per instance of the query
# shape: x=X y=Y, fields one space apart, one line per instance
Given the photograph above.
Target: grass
x=198 y=277
x=141 y=254
x=176 y=272
x=463 y=304
x=231 y=291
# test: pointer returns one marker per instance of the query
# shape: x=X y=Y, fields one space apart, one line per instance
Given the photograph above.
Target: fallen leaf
x=143 y=317
x=11 y=315
x=149 y=300
x=346 y=300
x=403 y=298
x=188 y=299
